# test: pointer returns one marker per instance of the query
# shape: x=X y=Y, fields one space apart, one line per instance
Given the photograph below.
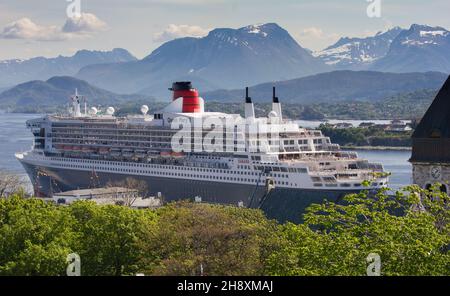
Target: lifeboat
x=87 y=149
x=165 y=154
x=115 y=152
x=140 y=153
x=76 y=149
x=127 y=153
x=177 y=154
x=68 y=148
x=103 y=150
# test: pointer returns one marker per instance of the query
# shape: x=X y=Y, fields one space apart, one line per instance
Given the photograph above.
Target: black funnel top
x=248 y=100
x=274 y=96
x=181 y=85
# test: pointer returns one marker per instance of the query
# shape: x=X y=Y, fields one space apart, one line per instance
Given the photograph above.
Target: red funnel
x=191 y=100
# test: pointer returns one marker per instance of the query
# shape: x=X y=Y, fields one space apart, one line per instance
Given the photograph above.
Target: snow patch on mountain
x=433 y=33
x=421 y=48
x=358 y=52
x=256 y=29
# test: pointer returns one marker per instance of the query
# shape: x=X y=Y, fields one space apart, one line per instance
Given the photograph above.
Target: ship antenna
x=85 y=106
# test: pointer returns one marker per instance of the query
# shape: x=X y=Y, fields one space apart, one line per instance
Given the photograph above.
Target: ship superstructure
x=183 y=152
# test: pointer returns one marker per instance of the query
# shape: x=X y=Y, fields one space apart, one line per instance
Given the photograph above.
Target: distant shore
x=380 y=148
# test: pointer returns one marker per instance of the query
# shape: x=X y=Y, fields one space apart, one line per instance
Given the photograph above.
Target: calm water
x=15 y=137
x=395 y=162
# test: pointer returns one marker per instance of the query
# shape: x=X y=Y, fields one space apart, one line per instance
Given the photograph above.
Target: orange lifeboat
x=103 y=150
x=87 y=149
x=165 y=153
x=177 y=154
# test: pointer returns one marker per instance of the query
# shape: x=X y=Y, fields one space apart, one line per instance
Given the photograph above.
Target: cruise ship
x=182 y=152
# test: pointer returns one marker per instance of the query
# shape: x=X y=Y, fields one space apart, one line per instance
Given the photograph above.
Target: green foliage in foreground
x=410 y=232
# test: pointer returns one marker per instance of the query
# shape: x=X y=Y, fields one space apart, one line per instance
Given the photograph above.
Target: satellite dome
x=273 y=114
x=110 y=111
x=93 y=111
x=144 y=109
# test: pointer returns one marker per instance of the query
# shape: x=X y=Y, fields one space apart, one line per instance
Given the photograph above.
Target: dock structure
x=108 y=195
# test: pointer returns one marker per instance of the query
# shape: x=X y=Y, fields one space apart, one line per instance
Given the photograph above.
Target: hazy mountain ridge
x=57 y=91
x=337 y=86
x=17 y=71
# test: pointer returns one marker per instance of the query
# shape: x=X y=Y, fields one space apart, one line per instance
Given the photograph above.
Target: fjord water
x=395 y=162
x=15 y=137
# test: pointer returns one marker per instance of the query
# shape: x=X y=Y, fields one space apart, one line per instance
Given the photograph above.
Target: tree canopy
x=410 y=232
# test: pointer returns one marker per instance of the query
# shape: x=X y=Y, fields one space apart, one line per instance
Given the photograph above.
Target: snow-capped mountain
x=225 y=58
x=17 y=71
x=357 y=53
x=421 y=48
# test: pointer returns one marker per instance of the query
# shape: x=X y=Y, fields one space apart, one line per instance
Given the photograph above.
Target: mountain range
x=234 y=58
x=17 y=71
x=420 y=48
x=57 y=90
x=225 y=58
x=417 y=49
x=358 y=53
x=337 y=86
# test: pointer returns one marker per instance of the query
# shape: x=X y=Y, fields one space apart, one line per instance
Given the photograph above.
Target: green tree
x=108 y=236
x=410 y=232
x=35 y=237
x=220 y=240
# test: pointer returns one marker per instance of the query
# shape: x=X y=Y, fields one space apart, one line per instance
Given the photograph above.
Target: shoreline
x=378 y=148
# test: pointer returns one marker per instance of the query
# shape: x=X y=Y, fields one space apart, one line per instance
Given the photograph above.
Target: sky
x=30 y=28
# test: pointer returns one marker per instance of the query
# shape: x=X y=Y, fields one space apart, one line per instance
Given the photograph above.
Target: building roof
x=94 y=192
x=436 y=121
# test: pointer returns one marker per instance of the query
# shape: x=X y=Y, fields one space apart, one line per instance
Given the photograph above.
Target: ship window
x=315 y=179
